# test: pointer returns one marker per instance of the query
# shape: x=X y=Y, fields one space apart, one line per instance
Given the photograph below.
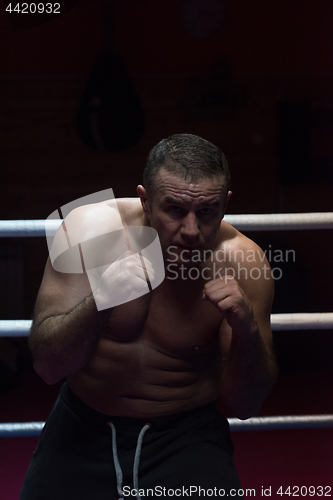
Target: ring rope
x=302 y=321
x=281 y=222
x=281 y=422
x=15 y=327
x=242 y=222
x=279 y=322
x=27 y=429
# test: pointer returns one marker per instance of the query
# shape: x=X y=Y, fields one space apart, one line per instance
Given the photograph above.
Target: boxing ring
x=279 y=322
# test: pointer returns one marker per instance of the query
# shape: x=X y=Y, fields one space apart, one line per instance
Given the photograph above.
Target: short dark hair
x=188 y=156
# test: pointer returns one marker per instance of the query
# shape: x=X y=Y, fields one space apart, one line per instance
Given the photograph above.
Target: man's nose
x=190 y=229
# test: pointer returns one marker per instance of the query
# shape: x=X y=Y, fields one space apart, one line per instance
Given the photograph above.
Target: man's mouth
x=189 y=247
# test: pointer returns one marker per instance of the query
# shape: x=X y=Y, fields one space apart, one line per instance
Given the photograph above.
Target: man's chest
x=175 y=320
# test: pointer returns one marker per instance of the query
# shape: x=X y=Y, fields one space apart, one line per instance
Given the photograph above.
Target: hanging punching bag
x=110 y=116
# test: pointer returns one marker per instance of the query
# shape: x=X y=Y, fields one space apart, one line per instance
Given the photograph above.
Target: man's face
x=186 y=215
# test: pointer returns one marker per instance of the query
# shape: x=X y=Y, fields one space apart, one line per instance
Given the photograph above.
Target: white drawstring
x=119 y=473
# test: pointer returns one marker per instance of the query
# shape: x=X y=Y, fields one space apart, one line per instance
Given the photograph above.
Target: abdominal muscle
x=136 y=379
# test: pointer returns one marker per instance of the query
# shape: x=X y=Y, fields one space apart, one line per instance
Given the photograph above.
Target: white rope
x=279 y=222
x=283 y=422
x=302 y=321
x=242 y=222
x=254 y=423
x=15 y=327
x=27 y=228
x=279 y=322
x=21 y=429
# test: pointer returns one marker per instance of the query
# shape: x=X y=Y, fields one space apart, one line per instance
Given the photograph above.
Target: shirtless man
x=164 y=358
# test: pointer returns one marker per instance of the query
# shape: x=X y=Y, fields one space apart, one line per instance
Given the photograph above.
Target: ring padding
x=255 y=423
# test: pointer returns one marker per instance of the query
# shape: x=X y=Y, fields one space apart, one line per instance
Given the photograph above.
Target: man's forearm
x=63 y=344
x=248 y=375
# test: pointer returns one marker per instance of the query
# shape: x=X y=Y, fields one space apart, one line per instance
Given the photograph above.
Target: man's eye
x=205 y=211
x=174 y=209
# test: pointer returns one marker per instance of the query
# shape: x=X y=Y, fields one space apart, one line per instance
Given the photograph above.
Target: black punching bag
x=110 y=116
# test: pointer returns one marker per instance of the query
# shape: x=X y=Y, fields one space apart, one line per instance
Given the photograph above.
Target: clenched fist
x=122 y=281
x=230 y=300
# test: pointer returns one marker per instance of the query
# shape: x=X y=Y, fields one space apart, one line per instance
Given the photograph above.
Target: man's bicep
x=60 y=292
x=78 y=246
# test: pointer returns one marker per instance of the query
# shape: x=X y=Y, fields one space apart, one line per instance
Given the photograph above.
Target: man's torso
x=160 y=353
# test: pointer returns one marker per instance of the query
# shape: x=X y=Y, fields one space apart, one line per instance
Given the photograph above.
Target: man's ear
x=143 y=198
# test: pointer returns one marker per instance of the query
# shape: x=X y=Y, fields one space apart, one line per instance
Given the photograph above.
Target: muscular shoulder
x=237 y=248
x=243 y=259
x=94 y=228
x=91 y=220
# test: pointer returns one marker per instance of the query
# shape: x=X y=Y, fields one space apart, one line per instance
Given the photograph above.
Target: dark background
x=260 y=87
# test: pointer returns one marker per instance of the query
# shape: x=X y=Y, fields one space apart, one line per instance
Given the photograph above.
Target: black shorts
x=188 y=455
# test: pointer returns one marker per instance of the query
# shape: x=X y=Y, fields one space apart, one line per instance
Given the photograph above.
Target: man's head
x=186 y=192
x=187 y=156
